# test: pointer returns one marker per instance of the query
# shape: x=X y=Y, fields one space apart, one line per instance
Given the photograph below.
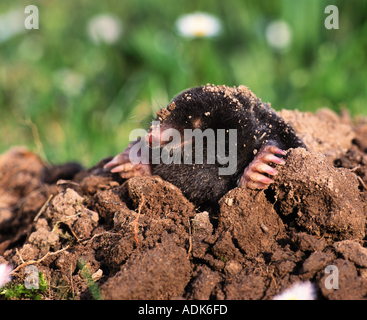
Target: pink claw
x=253 y=176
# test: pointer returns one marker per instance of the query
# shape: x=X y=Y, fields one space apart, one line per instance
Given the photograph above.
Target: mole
x=240 y=134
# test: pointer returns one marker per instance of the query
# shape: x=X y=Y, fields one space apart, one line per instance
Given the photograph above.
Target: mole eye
x=196 y=123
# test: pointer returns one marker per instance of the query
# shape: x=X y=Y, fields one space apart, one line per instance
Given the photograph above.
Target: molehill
x=142 y=239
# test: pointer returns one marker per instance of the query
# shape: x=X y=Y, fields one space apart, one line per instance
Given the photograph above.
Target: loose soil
x=142 y=239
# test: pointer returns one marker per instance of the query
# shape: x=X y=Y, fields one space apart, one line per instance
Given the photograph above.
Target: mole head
x=191 y=109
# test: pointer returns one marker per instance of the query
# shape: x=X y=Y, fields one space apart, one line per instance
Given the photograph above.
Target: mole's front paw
x=122 y=164
x=253 y=176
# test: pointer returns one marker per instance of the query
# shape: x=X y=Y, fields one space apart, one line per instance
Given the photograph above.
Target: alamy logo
x=178 y=151
x=332 y=21
x=332 y=281
x=32 y=21
x=32 y=280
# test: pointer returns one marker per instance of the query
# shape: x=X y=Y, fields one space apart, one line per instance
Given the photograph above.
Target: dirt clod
x=323 y=200
x=159 y=273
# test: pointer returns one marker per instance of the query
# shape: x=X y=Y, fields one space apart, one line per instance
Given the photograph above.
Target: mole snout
x=209 y=140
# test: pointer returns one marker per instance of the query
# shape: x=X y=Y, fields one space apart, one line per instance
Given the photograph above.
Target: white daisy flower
x=5 y=276
x=197 y=25
x=68 y=81
x=104 y=28
x=278 y=34
x=299 y=291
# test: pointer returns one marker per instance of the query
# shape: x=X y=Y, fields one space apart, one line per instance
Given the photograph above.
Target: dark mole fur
x=220 y=107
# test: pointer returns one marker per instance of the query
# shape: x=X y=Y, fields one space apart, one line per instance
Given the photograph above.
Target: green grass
x=19 y=291
x=151 y=63
x=87 y=277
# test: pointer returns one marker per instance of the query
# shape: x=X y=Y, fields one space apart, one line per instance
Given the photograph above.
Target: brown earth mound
x=142 y=239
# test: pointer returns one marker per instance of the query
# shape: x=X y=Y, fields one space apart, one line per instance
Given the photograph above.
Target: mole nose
x=152 y=139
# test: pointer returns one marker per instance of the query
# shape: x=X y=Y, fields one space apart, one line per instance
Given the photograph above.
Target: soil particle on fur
x=142 y=239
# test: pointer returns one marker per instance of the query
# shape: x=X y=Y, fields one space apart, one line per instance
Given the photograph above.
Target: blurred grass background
x=68 y=97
